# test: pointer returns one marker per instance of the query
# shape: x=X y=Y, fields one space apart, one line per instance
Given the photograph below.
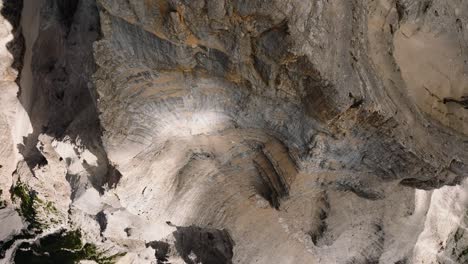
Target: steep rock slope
x=216 y=131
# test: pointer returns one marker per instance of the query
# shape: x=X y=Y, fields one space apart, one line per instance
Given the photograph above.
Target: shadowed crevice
x=204 y=245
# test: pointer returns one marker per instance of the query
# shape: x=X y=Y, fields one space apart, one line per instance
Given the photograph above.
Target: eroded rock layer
x=232 y=131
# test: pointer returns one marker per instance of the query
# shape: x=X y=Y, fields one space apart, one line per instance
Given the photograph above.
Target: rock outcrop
x=216 y=131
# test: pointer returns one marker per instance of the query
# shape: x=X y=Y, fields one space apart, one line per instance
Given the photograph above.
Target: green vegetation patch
x=64 y=247
x=28 y=203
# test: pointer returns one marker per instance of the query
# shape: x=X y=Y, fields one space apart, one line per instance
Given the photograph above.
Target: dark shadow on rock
x=113 y=176
x=74 y=181
x=321 y=227
x=110 y=179
x=67 y=11
x=62 y=99
x=11 y=11
x=264 y=185
x=101 y=219
x=33 y=158
x=161 y=251
x=204 y=245
x=359 y=189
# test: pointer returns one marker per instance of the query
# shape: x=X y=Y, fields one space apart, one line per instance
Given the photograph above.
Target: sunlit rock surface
x=232 y=131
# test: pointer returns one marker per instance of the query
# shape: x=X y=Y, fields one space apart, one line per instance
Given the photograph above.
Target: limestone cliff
x=234 y=131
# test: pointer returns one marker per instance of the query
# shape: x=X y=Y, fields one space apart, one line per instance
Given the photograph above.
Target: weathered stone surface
x=240 y=131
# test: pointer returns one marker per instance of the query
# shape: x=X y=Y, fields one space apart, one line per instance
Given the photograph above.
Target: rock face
x=240 y=131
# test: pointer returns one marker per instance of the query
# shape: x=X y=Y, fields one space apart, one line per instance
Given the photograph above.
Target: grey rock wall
x=232 y=131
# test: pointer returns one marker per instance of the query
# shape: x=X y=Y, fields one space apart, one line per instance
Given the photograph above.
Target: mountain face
x=234 y=131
